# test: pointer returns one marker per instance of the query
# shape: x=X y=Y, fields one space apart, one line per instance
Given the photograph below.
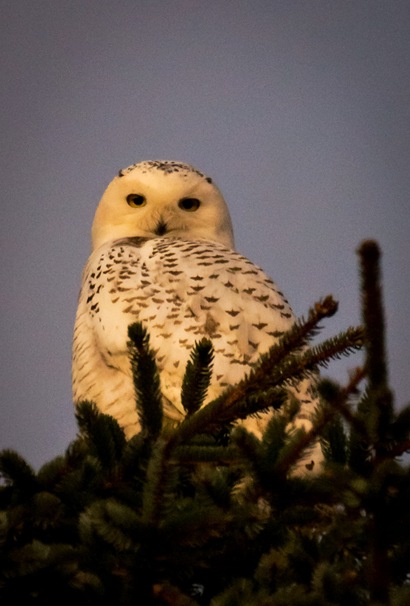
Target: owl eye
x=136 y=200
x=189 y=204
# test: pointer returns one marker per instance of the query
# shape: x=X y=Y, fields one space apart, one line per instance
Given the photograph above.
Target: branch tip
x=369 y=251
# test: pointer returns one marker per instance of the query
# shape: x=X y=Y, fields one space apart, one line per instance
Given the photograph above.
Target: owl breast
x=181 y=291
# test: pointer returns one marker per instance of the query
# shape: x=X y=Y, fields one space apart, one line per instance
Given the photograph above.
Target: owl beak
x=161 y=228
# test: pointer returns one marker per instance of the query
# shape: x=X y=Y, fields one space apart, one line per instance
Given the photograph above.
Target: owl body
x=163 y=255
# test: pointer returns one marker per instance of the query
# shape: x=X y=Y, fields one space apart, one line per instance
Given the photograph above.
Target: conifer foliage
x=204 y=512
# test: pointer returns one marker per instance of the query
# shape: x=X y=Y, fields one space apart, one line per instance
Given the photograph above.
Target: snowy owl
x=163 y=254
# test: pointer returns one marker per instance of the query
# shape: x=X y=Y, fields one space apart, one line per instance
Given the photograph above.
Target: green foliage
x=146 y=381
x=195 y=514
x=197 y=377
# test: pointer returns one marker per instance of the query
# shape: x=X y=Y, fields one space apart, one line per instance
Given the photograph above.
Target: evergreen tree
x=204 y=512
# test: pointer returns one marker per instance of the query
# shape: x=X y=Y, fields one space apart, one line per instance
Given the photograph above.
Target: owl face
x=162 y=199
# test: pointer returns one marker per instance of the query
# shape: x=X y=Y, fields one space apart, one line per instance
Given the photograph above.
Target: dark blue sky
x=299 y=110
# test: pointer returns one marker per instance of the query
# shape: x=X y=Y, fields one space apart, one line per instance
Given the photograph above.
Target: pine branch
x=265 y=382
x=221 y=412
x=333 y=439
x=197 y=376
x=379 y=416
x=146 y=381
x=102 y=432
x=293 y=367
x=251 y=448
x=14 y=470
x=170 y=595
x=295 y=338
x=400 y=449
x=158 y=481
x=192 y=454
x=400 y=431
x=401 y=425
x=262 y=389
x=86 y=414
x=337 y=399
x=373 y=316
x=322 y=420
x=380 y=393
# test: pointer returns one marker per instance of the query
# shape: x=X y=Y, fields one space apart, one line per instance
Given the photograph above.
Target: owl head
x=162 y=199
